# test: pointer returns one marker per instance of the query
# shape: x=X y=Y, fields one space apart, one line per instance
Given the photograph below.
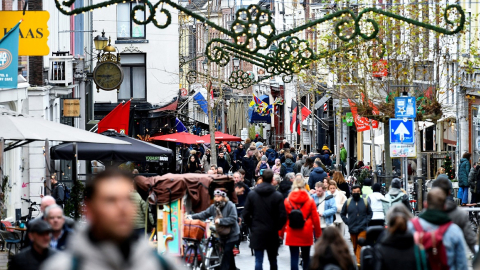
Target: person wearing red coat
x=301 y=239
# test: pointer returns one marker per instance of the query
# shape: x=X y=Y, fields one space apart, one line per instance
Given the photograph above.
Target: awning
x=180 y=137
x=136 y=150
x=169 y=107
x=222 y=137
x=24 y=129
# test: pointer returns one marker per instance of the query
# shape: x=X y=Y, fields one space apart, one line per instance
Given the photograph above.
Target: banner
x=198 y=97
x=361 y=123
x=33 y=32
x=9 y=58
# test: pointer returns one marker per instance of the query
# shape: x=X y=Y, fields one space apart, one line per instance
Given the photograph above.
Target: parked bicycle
x=34 y=207
x=193 y=253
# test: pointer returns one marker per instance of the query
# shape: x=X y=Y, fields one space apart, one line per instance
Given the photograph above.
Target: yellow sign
x=71 y=108
x=33 y=30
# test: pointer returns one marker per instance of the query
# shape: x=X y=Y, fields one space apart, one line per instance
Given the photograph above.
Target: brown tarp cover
x=171 y=187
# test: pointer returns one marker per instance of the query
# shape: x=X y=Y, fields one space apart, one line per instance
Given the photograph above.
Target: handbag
x=222 y=230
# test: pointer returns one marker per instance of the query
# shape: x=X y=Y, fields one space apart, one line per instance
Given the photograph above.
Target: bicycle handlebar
x=26 y=200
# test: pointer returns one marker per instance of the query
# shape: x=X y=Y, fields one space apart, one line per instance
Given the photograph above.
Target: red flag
x=294 y=121
x=305 y=112
x=118 y=119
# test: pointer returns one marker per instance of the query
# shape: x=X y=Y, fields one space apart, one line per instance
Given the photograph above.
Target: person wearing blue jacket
x=326 y=205
x=463 y=171
x=317 y=175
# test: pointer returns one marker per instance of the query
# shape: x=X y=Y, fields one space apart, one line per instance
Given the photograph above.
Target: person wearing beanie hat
x=261 y=166
x=367 y=187
x=375 y=200
x=396 y=195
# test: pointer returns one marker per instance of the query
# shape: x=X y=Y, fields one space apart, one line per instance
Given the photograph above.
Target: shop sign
x=156 y=159
x=71 y=108
x=33 y=30
x=9 y=59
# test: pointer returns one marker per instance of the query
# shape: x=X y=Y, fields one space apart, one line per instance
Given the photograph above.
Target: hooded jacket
x=139 y=219
x=222 y=162
x=463 y=171
x=395 y=252
x=300 y=199
x=229 y=213
x=317 y=175
x=287 y=164
x=270 y=153
x=472 y=181
x=249 y=164
x=238 y=154
x=395 y=195
x=265 y=215
x=104 y=255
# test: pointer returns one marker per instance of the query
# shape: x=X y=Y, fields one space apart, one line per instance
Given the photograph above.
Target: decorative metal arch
x=253 y=31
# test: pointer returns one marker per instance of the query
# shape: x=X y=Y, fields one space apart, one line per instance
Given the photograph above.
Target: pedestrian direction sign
x=405 y=107
x=402 y=131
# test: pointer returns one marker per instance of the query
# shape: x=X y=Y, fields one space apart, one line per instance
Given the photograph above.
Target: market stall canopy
x=180 y=137
x=171 y=187
x=222 y=137
x=136 y=150
x=25 y=129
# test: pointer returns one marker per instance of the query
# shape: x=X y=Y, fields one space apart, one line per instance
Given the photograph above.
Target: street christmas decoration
x=253 y=34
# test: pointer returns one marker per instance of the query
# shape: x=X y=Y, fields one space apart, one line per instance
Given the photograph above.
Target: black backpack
x=295 y=218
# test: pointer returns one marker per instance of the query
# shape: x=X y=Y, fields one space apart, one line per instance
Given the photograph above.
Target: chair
x=9 y=237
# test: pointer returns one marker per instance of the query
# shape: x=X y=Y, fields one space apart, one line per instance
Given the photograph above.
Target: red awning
x=180 y=137
x=170 y=107
x=222 y=137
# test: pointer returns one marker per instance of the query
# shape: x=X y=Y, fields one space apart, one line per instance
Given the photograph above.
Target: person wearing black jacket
x=265 y=215
x=238 y=154
x=249 y=165
x=222 y=162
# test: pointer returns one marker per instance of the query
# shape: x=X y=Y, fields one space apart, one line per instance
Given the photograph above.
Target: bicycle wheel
x=190 y=257
x=213 y=258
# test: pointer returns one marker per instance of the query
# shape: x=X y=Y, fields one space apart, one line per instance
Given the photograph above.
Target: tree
x=448 y=167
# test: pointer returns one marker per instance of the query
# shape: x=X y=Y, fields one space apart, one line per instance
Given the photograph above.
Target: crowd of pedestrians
x=285 y=197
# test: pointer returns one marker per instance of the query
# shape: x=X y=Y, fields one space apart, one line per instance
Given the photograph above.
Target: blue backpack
x=263 y=166
x=271 y=158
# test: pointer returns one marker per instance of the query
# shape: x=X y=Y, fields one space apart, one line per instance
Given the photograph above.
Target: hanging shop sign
x=71 y=108
x=9 y=58
x=33 y=31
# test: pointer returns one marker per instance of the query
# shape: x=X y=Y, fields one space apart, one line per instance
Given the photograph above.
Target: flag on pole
x=200 y=99
x=294 y=120
x=118 y=119
x=305 y=112
x=9 y=58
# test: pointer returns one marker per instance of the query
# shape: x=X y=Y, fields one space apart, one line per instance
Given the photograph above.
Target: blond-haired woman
x=301 y=238
x=340 y=199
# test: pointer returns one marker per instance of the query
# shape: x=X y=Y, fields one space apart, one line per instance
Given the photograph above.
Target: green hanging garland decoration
x=239 y=79
x=253 y=30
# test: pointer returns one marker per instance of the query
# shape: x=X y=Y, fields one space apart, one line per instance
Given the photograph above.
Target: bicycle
x=32 y=208
x=192 y=254
x=213 y=251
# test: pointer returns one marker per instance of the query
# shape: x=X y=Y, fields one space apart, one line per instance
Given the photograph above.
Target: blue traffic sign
x=405 y=107
x=402 y=131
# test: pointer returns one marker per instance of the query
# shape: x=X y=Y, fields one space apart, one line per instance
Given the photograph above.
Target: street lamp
x=100 y=41
x=205 y=65
x=236 y=63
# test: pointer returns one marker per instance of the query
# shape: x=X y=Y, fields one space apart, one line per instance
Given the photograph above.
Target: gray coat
x=104 y=255
x=229 y=213
x=460 y=217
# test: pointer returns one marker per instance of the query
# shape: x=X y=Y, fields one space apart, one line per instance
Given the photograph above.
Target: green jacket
x=139 y=219
x=343 y=154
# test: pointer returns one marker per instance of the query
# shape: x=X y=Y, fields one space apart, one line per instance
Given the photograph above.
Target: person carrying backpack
x=261 y=166
x=303 y=222
x=395 y=195
x=438 y=236
x=288 y=166
x=356 y=213
x=271 y=155
x=59 y=192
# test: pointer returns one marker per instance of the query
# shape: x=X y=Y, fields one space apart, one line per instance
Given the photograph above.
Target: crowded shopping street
x=239 y=135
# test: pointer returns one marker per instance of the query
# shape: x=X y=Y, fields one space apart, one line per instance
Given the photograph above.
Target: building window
x=135 y=80
x=126 y=27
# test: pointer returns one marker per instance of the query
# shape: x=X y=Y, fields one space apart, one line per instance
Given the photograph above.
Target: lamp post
x=211 y=127
x=100 y=42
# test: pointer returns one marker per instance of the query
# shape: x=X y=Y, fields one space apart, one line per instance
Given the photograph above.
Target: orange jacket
x=302 y=237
